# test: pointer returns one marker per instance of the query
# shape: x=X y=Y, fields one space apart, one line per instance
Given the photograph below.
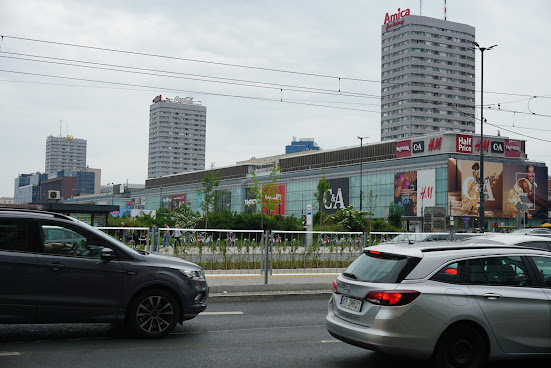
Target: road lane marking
x=329 y=341
x=9 y=353
x=248 y=329
x=220 y=313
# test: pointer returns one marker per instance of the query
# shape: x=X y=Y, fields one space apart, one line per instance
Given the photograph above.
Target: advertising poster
x=405 y=191
x=426 y=194
x=525 y=189
x=176 y=200
x=464 y=188
x=508 y=189
x=339 y=195
x=279 y=197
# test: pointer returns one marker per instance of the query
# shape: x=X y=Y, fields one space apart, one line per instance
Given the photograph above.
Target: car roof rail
x=491 y=246
x=39 y=209
x=13 y=206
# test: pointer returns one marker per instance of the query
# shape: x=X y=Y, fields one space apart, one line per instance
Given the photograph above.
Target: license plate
x=352 y=304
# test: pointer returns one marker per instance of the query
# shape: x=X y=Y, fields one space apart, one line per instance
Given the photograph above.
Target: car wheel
x=461 y=347
x=153 y=313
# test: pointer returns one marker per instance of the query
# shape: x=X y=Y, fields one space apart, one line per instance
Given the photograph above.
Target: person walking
x=177 y=236
x=120 y=233
x=129 y=238
x=166 y=236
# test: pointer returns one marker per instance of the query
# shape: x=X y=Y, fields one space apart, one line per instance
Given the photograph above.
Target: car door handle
x=492 y=296
x=55 y=266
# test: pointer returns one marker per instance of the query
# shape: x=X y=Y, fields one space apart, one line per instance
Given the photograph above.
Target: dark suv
x=55 y=269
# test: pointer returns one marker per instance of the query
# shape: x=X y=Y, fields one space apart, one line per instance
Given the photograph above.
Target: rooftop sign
x=177 y=99
x=392 y=20
x=457 y=143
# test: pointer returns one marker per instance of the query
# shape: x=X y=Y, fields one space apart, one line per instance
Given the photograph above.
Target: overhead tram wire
x=500 y=126
x=156 y=90
x=191 y=60
x=184 y=91
x=518 y=112
x=513 y=94
x=142 y=71
x=230 y=64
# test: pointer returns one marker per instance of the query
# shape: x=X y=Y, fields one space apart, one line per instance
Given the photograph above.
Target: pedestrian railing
x=313 y=251
x=140 y=235
x=258 y=252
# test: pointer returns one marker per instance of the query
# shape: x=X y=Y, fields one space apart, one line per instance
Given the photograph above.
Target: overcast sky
x=338 y=39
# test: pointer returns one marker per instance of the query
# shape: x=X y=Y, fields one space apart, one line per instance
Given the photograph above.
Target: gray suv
x=458 y=304
x=57 y=269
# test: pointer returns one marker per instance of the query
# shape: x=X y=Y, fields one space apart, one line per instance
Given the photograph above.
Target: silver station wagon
x=456 y=303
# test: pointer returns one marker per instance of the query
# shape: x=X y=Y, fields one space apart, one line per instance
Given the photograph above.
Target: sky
x=249 y=63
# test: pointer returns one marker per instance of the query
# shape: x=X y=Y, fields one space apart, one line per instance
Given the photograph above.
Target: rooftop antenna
x=61 y=121
x=445 y=10
x=420 y=7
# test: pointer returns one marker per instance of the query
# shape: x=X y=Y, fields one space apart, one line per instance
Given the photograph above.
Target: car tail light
x=335 y=287
x=392 y=297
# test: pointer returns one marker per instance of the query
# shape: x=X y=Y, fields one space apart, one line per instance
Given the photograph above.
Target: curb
x=264 y=288
x=268 y=296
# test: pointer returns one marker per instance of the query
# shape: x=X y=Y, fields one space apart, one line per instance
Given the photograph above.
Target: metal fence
x=257 y=252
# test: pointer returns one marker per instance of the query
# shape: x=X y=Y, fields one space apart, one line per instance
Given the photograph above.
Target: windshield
x=380 y=267
x=105 y=236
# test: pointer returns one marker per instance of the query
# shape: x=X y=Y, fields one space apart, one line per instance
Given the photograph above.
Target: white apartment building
x=65 y=153
x=428 y=76
x=177 y=136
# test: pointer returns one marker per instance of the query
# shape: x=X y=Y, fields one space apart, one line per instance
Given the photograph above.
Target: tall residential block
x=65 y=153
x=427 y=75
x=177 y=136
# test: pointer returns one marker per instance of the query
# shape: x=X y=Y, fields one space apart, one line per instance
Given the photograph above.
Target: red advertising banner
x=463 y=143
x=279 y=198
x=176 y=200
x=512 y=148
x=403 y=149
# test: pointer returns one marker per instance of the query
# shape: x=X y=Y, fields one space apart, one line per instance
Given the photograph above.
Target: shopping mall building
x=439 y=170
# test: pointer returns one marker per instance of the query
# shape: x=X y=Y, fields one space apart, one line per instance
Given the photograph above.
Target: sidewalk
x=247 y=287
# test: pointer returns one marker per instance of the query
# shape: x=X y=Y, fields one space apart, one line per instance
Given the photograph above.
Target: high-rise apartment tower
x=65 y=153
x=177 y=136
x=427 y=75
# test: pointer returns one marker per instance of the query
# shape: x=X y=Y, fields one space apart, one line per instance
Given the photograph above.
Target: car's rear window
x=381 y=267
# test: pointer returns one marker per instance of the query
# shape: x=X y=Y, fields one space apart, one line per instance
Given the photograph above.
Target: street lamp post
x=481 y=207
x=361 y=168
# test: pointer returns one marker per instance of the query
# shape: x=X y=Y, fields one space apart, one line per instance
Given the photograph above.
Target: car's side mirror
x=107 y=254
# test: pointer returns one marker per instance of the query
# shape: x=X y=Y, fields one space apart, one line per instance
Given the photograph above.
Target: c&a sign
x=338 y=195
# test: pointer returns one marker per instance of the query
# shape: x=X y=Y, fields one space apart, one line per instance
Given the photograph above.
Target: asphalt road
x=286 y=333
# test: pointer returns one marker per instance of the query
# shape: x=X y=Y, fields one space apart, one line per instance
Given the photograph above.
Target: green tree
x=164 y=215
x=348 y=219
x=371 y=205
x=395 y=212
x=322 y=195
x=185 y=216
x=208 y=193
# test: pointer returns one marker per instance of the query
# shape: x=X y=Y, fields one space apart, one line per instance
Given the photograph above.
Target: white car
x=530 y=241
x=459 y=303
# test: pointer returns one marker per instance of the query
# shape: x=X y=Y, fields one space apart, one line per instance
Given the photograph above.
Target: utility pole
x=481 y=207
x=361 y=169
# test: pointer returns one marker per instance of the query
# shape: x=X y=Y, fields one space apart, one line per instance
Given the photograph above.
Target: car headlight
x=198 y=275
